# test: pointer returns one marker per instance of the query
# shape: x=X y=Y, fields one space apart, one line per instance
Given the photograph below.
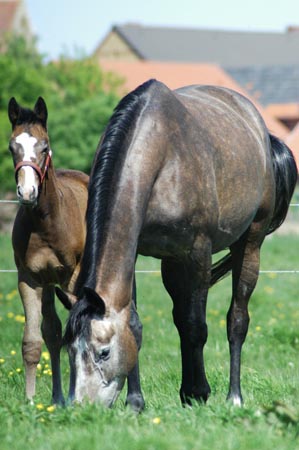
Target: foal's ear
x=41 y=111
x=13 y=111
x=67 y=300
x=95 y=301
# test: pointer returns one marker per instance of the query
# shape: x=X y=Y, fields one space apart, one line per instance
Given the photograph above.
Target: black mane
x=109 y=150
x=27 y=116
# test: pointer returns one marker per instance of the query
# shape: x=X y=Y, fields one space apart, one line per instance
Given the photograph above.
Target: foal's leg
x=134 y=395
x=52 y=334
x=32 y=339
x=189 y=314
x=245 y=255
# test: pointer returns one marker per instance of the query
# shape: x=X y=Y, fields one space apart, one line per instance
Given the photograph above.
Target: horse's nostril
x=32 y=195
x=19 y=191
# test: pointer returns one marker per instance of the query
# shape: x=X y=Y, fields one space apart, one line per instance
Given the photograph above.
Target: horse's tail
x=285 y=173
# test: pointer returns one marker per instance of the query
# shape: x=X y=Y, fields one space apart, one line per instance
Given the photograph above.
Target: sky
x=74 y=27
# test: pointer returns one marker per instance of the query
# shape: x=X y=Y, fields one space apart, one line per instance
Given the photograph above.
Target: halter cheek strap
x=41 y=174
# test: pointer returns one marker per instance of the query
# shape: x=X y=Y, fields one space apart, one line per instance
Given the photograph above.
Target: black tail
x=285 y=173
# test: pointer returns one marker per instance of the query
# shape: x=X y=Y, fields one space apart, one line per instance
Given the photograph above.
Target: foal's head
x=30 y=148
x=101 y=348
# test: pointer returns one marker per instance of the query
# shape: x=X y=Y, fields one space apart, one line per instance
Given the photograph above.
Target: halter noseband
x=41 y=174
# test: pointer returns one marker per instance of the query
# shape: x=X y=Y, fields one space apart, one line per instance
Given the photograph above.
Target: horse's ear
x=67 y=300
x=40 y=109
x=13 y=111
x=95 y=301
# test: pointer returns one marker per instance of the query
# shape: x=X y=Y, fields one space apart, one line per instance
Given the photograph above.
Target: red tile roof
x=284 y=110
x=292 y=140
x=175 y=75
x=7 y=13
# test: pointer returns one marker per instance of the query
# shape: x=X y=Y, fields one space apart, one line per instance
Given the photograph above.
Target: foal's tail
x=285 y=174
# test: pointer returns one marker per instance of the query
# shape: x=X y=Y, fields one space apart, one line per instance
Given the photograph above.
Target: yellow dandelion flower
x=272 y=275
x=258 y=328
x=13 y=352
x=2 y=360
x=10 y=374
x=222 y=323
x=39 y=367
x=147 y=319
x=40 y=406
x=51 y=408
x=46 y=366
x=19 y=318
x=268 y=289
x=10 y=315
x=12 y=294
x=18 y=370
x=46 y=356
x=157 y=420
x=49 y=372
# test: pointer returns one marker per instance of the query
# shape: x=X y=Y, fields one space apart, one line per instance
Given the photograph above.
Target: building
x=263 y=66
x=14 y=20
x=231 y=49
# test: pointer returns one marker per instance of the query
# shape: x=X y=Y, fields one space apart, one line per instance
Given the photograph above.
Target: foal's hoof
x=135 y=402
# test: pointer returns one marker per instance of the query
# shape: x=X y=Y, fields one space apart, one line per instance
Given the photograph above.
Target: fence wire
x=281 y=272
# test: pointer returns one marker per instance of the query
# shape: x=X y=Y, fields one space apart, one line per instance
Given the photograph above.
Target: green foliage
x=79 y=96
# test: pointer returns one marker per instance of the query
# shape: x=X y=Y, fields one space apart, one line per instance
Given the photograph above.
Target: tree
x=79 y=96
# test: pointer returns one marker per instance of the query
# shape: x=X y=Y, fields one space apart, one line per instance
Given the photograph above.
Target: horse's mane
x=109 y=151
x=27 y=116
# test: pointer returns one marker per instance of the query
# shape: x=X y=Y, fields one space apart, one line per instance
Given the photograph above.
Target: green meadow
x=270 y=372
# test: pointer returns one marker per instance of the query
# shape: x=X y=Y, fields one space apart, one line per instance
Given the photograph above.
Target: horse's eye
x=45 y=148
x=102 y=355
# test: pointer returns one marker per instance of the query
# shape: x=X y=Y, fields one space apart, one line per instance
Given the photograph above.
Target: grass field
x=270 y=373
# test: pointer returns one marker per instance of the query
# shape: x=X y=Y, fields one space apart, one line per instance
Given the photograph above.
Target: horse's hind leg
x=52 y=334
x=32 y=339
x=245 y=257
x=134 y=395
x=189 y=314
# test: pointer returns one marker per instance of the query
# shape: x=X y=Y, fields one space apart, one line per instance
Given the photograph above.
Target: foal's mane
x=27 y=116
x=109 y=151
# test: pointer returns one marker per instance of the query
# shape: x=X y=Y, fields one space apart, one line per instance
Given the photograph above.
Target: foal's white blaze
x=27 y=142
x=28 y=189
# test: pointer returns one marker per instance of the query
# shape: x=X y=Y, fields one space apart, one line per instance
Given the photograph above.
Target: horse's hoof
x=59 y=401
x=195 y=396
x=135 y=402
x=235 y=400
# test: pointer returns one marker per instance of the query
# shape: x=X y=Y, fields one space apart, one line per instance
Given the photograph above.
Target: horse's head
x=102 y=350
x=30 y=148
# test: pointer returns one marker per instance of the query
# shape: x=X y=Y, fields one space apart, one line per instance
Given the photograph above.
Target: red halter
x=41 y=174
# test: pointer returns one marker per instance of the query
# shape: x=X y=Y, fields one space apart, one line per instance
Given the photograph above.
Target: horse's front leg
x=189 y=315
x=134 y=395
x=245 y=275
x=32 y=339
x=52 y=334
